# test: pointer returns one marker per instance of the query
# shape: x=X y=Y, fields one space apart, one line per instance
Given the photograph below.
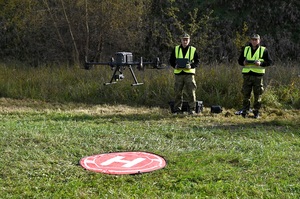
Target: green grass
x=208 y=156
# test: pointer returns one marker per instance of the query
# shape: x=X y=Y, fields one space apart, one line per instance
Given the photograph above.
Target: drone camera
x=119 y=77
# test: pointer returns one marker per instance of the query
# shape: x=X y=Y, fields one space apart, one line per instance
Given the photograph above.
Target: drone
x=120 y=62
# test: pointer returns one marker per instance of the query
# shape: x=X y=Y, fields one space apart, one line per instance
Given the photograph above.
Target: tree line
x=71 y=31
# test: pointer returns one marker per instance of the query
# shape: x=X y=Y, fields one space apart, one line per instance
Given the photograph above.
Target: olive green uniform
x=253 y=75
x=184 y=77
x=187 y=84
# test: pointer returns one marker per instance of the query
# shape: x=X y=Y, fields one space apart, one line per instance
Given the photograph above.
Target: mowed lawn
x=208 y=156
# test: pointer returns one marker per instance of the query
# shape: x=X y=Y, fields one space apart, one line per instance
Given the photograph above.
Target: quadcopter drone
x=118 y=64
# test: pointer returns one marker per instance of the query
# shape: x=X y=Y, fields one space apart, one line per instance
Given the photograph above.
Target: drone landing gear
x=115 y=77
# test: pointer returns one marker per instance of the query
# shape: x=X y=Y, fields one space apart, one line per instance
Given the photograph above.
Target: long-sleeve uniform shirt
x=266 y=57
x=184 y=51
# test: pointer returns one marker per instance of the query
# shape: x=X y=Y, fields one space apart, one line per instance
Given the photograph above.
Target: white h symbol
x=119 y=159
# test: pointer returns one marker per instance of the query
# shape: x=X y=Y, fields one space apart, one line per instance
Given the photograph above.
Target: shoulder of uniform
x=246 y=48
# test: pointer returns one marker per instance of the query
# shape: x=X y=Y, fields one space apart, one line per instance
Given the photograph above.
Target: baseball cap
x=255 y=36
x=185 y=35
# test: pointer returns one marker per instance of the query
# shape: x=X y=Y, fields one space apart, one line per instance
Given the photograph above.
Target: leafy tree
x=173 y=21
x=67 y=31
x=116 y=25
x=17 y=24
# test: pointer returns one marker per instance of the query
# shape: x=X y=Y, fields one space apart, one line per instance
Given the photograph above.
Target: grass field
x=208 y=156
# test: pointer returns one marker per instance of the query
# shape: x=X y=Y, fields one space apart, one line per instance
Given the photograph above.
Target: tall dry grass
x=217 y=84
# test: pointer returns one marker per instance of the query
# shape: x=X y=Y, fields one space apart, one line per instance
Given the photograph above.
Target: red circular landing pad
x=123 y=163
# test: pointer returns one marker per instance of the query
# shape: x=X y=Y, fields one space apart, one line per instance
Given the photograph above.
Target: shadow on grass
x=109 y=117
x=205 y=121
x=276 y=125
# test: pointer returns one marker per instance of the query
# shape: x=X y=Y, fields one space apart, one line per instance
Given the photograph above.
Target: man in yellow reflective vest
x=184 y=59
x=254 y=58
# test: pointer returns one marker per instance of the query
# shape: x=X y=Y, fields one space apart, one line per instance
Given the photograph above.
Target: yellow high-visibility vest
x=189 y=55
x=257 y=56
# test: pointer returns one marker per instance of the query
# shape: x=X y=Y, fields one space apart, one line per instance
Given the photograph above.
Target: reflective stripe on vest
x=189 y=55
x=257 y=56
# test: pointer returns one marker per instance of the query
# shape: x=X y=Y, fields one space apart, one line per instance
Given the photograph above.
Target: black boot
x=244 y=113
x=256 y=114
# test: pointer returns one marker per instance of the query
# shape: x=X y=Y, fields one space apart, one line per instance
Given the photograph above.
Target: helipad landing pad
x=123 y=163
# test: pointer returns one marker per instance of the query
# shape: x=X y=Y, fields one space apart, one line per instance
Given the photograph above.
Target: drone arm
x=156 y=64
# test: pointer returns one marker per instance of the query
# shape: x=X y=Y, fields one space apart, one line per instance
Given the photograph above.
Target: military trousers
x=185 y=89
x=255 y=84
